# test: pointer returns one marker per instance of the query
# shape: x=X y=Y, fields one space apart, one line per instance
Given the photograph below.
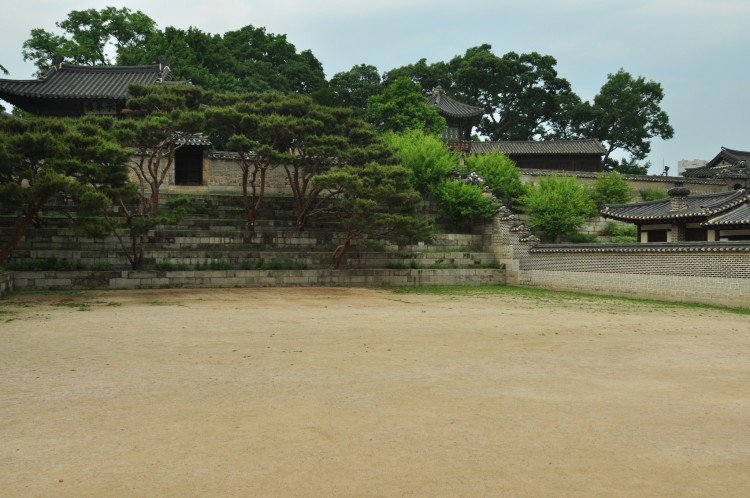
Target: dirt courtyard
x=360 y=392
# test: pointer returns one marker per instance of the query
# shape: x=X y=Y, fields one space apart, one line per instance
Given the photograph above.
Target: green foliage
x=626 y=166
x=626 y=114
x=500 y=173
x=459 y=200
x=653 y=194
x=42 y=158
x=89 y=36
x=375 y=201
x=425 y=155
x=402 y=107
x=610 y=188
x=583 y=238
x=558 y=206
x=522 y=96
x=44 y=264
x=248 y=59
x=167 y=265
x=353 y=88
x=620 y=229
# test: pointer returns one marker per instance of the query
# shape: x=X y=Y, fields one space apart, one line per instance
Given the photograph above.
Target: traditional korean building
x=73 y=90
x=558 y=155
x=683 y=217
x=461 y=119
x=729 y=164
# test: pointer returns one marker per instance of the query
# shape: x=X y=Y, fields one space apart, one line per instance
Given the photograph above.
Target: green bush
x=610 y=188
x=167 y=265
x=460 y=200
x=500 y=173
x=620 y=229
x=45 y=264
x=425 y=155
x=558 y=206
x=653 y=194
x=583 y=238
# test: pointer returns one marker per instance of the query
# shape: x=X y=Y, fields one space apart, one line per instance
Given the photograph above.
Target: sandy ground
x=356 y=392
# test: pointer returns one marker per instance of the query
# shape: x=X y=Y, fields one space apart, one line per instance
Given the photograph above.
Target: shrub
x=459 y=200
x=653 y=194
x=583 y=238
x=167 y=265
x=611 y=188
x=425 y=155
x=558 y=206
x=620 y=229
x=500 y=173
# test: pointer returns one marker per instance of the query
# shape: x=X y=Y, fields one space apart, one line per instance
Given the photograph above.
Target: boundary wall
x=81 y=280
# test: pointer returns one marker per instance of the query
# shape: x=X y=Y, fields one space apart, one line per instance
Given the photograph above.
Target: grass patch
x=558 y=296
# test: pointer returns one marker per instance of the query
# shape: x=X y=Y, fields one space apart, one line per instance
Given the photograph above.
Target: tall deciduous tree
x=402 y=107
x=626 y=115
x=353 y=88
x=522 y=95
x=375 y=202
x=90 y=36
x=42 y=158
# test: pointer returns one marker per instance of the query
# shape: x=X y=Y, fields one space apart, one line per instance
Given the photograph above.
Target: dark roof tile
x=552 y=147
x=699 y=206
x=85 y=82
x=452 y=108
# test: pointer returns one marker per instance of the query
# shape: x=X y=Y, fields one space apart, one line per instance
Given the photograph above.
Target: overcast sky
x=697 y=49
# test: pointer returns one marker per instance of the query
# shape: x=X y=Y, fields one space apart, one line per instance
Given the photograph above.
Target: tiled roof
x=728 y=163
x=454 y=109
x=731 y=156
x=699 y=206
x=192 y=139
x=552 y=147
x=85 y=82
x=739 y=216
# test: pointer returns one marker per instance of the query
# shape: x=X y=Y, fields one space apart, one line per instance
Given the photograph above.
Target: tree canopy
x=626 y=114
x=402 y=107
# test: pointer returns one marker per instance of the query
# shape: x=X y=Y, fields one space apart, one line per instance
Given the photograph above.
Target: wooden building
x=73 y=90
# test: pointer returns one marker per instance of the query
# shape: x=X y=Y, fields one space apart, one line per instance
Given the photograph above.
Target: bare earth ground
x=356 y=392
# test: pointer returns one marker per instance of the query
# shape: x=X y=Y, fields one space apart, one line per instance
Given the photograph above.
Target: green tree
x=425 y=155
x=160 y=117
x=610 y=188
x=522 y=95
x=558 y=206
x=426 y=76
x=42 y=158
x=500 y=174
x=353 y=88
x=626 y=115
x=88 y=36
x=245 y=60
x=402 y=107
x=374 y=202
x=626 y=166
x=259 y=127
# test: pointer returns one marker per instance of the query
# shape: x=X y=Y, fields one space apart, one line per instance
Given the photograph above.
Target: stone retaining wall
x=79 y=280
x=6 y=283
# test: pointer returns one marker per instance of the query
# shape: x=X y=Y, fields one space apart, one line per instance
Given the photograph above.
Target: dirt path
x=354 y=392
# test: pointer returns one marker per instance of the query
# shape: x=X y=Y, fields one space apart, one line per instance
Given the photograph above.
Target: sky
x=698 y=50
